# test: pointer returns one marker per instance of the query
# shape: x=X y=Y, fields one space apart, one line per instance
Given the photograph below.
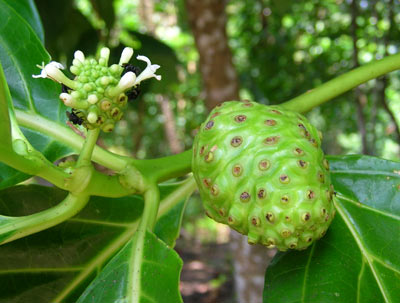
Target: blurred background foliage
x=280 y=49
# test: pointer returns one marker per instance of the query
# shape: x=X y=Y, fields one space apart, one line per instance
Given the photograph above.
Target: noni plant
x=109 y=235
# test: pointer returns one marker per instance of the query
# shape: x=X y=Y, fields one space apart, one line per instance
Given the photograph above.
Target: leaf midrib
x=365 y=172
x=364 y=251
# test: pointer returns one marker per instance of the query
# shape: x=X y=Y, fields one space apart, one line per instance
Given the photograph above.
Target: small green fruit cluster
x=261 y=170
x=96 y=99
x=98 y=93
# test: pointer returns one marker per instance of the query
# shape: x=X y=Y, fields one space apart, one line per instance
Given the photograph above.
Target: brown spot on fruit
x=305 y=217
x=321 y=177
x=323 y=212
x=298 y=151
x=208 y=214
x=247 y=104
x=261 y=193
x=270 y=243
x=231 y=220
x=236 y=141
x=287 y=218
x=222 y=212
x=326 y=164
x=302 y=163
x=215 y=114
x=285 y=199
x=263 y=164
x=209 y=125
x=270 y=217
x=271 y=140
x=237 y=170
x=284 y=179
x=240 y=118
x=292 y=245
x=244 y=196
x=310 y=194
x=313 y=142
x=270 y=122
x=207 y=182
x=285 y=233
x=275 y=111
x=209 y=157
x=255 y=221
x=202 y=150
x=214 y=190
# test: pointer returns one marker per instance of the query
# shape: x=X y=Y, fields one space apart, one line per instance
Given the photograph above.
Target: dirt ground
x=207 y=273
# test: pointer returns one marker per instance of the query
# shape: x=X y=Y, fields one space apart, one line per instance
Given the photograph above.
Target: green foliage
x=119 y=247
x=307 y=43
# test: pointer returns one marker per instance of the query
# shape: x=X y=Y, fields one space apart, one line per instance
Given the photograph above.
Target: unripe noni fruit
x=261 y=170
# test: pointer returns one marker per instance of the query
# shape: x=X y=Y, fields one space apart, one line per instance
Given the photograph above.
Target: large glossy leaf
x=56 y=265
x=28 y=11
x=169 y=225
x=20 y=51
x=145 y=270
x=75 y=250
x=359 y=258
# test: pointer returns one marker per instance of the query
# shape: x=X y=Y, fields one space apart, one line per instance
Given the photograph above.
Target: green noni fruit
x=261 y=170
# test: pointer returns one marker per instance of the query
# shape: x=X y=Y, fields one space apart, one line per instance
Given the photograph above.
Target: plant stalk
x=343 y=83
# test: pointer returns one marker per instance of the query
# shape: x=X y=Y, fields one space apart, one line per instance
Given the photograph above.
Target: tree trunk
x=207 y=20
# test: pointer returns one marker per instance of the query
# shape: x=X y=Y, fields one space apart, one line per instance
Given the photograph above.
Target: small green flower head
x=98 y=93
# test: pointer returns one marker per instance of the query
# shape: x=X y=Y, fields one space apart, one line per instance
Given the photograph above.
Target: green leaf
x=28 y=11
x=359 y=258
x=168 y=226
x=20 y=51
x=56 y=265
x=156 y=265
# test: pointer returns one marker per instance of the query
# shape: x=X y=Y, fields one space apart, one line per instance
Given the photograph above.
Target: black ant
x=73 y=117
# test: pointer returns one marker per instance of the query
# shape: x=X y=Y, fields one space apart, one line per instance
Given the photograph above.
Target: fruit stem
x=85 y=155
x=343 y=83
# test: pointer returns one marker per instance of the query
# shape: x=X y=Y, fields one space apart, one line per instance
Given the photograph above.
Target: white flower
x=79 y=55
x=53 y=72
x=126 y=55
x=149 y=72
x=45 y=69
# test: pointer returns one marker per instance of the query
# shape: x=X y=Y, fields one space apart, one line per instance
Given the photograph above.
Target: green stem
x=343 y=83
x=160 y=169
x=187 y=187
x=65 y=135
x=85 y=155
x=165 y=168
x=13 y=228
x=151 y=205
